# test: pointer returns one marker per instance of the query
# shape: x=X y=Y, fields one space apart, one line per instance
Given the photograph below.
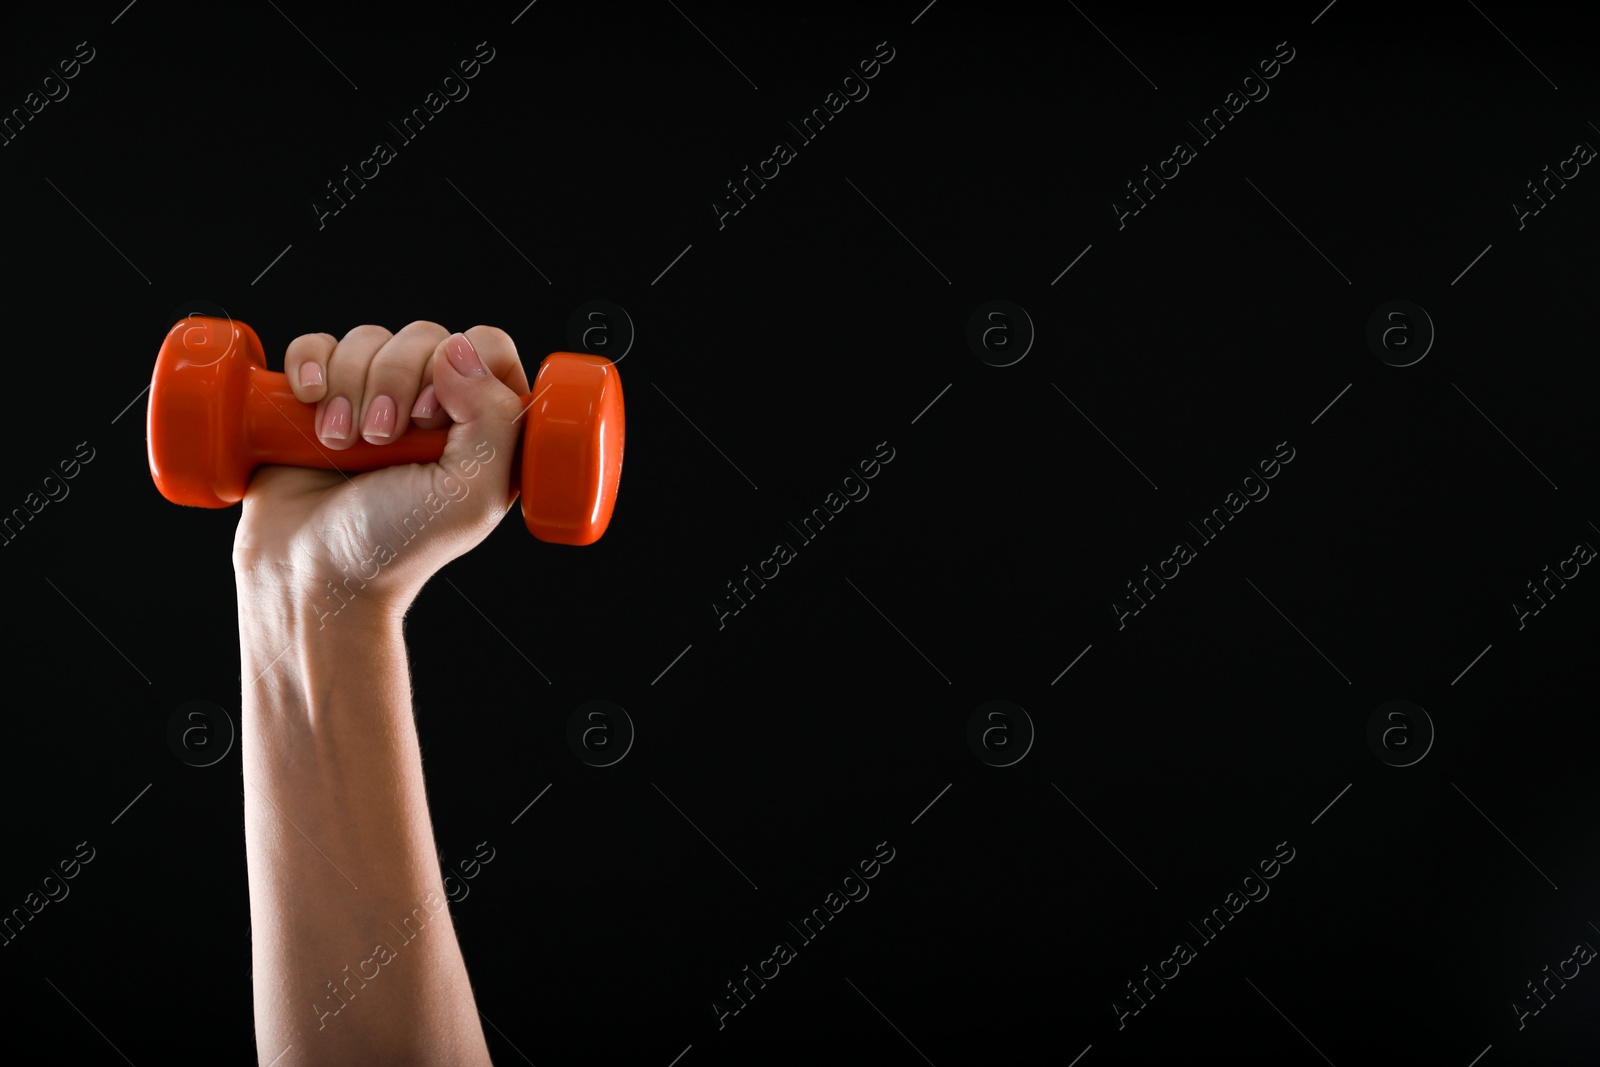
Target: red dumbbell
x=216 y=414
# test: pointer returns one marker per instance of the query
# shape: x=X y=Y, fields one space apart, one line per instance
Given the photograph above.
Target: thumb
x=477 y=380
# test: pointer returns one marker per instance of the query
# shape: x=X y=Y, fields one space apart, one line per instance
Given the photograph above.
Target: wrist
x=297 y=642
x=278 y=598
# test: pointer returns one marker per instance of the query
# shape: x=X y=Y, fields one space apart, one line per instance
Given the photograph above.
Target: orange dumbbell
x=217 y=413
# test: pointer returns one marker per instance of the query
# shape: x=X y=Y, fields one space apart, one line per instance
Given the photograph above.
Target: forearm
x=355 y=958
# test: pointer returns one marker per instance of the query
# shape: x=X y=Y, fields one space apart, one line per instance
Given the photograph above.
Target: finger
x=479 y=381
x=394 y=378
x=499 y=353
x=427 y=412
x=305 y=364
x=347 y=377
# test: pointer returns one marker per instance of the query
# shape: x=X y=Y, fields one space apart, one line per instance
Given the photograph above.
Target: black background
x=799 y=336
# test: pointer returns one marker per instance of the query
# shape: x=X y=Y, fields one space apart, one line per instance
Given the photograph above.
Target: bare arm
x=355 y=957
x=354 y=954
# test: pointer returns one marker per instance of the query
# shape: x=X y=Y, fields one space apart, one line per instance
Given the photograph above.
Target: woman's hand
x=378 y=536
x=353 y=957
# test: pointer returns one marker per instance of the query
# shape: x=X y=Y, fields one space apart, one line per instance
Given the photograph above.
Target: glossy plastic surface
x=216 y=414
x=572 y=454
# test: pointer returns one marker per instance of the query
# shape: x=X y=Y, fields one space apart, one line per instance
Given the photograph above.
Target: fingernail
x=464 y=357
x=310 y=373
x=380 y=419
x=427 y=404
x=336 y=419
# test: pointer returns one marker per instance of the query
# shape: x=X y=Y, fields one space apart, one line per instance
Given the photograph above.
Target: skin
x=345 y=885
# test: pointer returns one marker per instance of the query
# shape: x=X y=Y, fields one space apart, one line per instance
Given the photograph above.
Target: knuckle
x=393 y=364
x=365 y=334
x=491 y=336
x=308 y=346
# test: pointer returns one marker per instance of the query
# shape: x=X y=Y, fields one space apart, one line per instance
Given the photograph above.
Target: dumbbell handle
x=279 y=428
